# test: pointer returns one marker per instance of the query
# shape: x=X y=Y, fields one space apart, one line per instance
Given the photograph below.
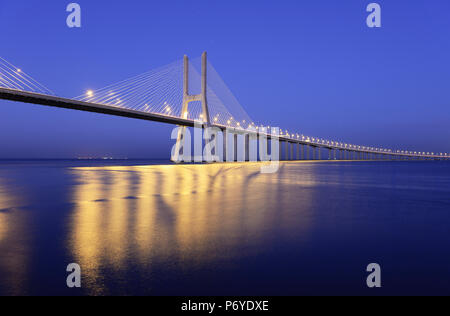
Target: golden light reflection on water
x=194 y=214
x=14 y=245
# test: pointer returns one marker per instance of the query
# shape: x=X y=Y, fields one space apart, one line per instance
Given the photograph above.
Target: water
x=138 y=227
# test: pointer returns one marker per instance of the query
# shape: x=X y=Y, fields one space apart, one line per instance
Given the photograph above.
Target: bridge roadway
x=340 y=153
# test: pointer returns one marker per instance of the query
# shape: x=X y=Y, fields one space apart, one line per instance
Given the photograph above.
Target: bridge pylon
x=188 y=98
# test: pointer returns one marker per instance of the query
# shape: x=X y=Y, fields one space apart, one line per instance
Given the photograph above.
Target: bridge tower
x=188 y=98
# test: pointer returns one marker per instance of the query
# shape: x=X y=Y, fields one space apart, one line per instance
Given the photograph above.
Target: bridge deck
x=47 y=100
x=53 y=101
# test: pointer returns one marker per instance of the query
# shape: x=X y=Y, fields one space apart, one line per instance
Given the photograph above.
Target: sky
x=309 y=66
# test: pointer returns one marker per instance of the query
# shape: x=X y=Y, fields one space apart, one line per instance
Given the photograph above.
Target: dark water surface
x=224 y=229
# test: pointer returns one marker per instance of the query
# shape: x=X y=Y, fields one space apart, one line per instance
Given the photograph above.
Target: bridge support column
x=286 y=150
x=253 y=147
x=229 y=146
x=298 y=151
x=247 y=147
x=235 y=146
x=281 y=150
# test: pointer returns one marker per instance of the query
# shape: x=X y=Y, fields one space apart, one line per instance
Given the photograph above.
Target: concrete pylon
x=202 y=97
x=187 y=98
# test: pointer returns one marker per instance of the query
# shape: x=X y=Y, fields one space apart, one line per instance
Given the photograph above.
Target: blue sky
x=307 y=66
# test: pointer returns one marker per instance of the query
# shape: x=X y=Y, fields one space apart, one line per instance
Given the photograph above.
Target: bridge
x=165 y=95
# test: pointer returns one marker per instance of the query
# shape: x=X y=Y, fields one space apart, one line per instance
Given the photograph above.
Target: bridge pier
x=225 y=146
x=280 y=150
x=235 y=147
x=247 y=147
x=286 y=150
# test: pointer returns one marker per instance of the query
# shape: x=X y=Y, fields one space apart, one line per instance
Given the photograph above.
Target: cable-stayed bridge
x=187 y=93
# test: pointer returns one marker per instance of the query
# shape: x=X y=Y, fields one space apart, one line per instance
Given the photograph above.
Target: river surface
x=152 y=228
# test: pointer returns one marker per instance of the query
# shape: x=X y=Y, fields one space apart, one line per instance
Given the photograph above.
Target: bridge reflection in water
x=187 y=216
x=14 y=244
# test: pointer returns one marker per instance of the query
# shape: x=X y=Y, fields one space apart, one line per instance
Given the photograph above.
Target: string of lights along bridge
x=187 y=92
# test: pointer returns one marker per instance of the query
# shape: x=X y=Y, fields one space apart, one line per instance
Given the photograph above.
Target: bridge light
x=19 y=70
x=90 y=93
